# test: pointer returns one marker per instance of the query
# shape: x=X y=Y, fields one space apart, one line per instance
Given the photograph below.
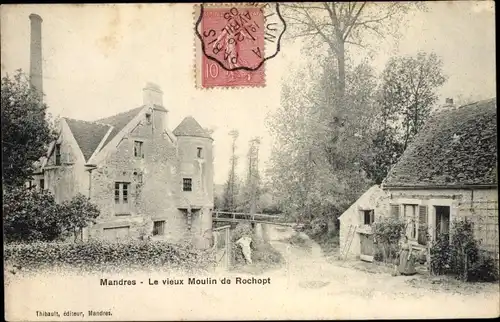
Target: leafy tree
x=407 y=95
x=26 y=131
x=384 y=152
x=315 y=171
x=77 y=213
x=30 y=214
x=409 y=92
x=340 y=25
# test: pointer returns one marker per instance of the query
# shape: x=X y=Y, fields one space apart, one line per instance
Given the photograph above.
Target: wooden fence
x=222 y=246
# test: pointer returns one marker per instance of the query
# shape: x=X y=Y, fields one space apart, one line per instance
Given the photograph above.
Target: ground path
x=306 y=287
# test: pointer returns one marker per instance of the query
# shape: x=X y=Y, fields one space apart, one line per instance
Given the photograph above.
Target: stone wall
x=152 y=185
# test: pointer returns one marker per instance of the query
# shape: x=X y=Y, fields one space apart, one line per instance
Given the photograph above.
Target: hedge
x=100 y=255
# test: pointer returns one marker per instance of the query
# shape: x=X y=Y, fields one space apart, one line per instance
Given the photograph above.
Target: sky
x=97 y=59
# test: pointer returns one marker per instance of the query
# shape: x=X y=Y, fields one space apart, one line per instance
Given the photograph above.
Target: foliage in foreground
x=262 y=252
x=30 y=215
x=26 y=129
x=387 y=234
x=462 y=257
x=98 y=255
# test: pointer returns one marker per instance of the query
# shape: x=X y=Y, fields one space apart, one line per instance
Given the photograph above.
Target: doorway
x=442 y=220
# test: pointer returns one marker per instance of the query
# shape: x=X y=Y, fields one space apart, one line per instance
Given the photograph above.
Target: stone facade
x=135 y=175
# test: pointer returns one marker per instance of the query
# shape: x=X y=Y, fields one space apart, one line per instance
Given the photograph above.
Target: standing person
x=406 y=259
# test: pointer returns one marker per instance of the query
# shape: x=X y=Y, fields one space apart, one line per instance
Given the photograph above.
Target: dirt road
x=307 y=287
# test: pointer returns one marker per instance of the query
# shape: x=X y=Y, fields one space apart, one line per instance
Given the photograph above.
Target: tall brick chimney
x=36 y=70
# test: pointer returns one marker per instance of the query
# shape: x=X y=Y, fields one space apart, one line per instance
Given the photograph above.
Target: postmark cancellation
x=233 y=42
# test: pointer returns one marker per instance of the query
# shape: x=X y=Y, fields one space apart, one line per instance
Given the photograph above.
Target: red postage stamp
x=230 y=47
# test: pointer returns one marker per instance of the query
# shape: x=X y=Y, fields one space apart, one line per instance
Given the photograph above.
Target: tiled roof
x=190 y=127
x=455 y=148
x=88 y=135
x=119 y=121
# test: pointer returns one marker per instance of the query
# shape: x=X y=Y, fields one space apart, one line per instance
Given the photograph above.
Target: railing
x=241 y=216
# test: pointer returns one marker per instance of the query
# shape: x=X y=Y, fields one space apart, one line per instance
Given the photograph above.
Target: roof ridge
x=124 y=112
x=85 y=121
x=484 y=101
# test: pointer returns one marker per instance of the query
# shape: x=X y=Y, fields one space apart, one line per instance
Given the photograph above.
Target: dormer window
x=148 y=118
x=199 y=153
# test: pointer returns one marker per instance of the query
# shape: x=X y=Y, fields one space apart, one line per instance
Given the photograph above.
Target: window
x=148 y=118
x=199 y=153
x=58 y=154
x=416 y=222
x=42 y=184
x=158 y=228
x=187 y=184
x=121 y=198
x=138 y=152
x=410 y=215
x=368 y=217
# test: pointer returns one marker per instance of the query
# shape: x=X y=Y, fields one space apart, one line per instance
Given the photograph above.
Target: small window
x=199 y=153
x=158 y=228
x=121 y=192
x=138 y=152
x=58 y=154
x=42 y=184
x=148 y=118
x=187 y=184
x=368 y=217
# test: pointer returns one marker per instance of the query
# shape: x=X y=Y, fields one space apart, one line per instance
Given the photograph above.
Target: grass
x=329 y=242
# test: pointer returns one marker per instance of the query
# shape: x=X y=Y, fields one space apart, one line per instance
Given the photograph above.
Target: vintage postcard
x=249 y=161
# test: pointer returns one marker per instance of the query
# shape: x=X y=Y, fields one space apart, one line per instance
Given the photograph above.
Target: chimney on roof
x=36 y=68
x=152 y=95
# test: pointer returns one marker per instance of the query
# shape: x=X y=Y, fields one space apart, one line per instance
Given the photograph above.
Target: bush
x=462 y=257
x=98 y=255
x=386 y=234
x=31 y=215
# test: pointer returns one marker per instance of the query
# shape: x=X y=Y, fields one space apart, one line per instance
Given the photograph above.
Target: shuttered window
x=422 y=225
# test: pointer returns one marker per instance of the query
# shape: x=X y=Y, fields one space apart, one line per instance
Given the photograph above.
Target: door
x=367 y=247
x=116 y=233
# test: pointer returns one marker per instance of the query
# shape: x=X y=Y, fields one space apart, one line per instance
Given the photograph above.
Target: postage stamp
x=233 y=43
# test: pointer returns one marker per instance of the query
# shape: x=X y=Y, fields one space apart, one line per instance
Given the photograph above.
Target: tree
x=230 y=189
x=26 y=131
x=252 y=188
x=31 y=214
x=339 y=25
x=409 y=91
x=77 y=213
x=316 y=172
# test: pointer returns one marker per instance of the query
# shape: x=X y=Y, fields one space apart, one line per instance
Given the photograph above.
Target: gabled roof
x=119 y=121
x=455 y=148
x=88 y=135
x=190 y=127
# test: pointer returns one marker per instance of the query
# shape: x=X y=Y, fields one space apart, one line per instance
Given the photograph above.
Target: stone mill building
x=146 y=179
